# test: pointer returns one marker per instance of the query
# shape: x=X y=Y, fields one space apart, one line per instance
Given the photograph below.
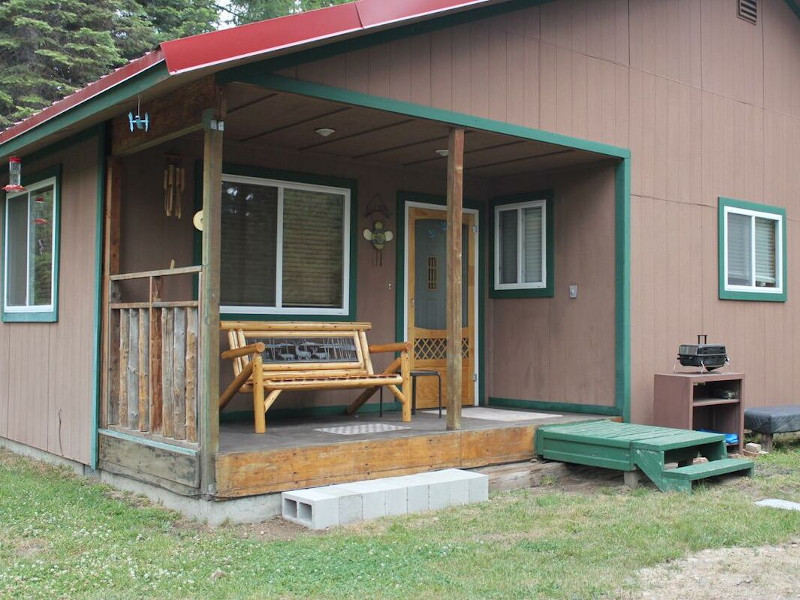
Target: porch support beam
x=213 y=126
x=110 y=331
x=455 y=189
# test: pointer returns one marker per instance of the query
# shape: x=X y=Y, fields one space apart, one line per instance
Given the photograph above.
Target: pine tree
x=50 y=48
x=248 y=11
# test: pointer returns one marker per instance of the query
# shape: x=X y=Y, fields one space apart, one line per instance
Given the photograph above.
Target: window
x=523 y=246
x=285 y=247
x=752 y=251
x=30 y=249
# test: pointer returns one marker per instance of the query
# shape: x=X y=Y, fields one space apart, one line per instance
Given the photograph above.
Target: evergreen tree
x=249 y=11
x=50 y=48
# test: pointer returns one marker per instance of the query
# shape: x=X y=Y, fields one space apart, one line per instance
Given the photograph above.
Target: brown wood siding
x=52 y=409
x=709 y=106
x=566 y=353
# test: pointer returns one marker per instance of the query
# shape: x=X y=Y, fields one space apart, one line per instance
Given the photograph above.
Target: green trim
x=237 y=416
x=254 y=76
x=97 y=342
x=549 y=289
x=752 y=296
x=314 y=179
x=50 y=316
x=400 y=286
x=107 y=99
x=555 y=406
x=794 y=6
x=148 y=442
x=622 y=292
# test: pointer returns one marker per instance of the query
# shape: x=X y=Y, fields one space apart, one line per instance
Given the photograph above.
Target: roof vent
x=748 y=10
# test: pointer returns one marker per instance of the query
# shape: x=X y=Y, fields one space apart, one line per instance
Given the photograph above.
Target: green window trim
x=520 y=201
x=728 y=291
x=32 y=314
x=349 y=311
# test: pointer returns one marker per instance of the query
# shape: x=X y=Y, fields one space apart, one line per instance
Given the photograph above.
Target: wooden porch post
x=210 y=284
x=455 y=188
x=111 y=242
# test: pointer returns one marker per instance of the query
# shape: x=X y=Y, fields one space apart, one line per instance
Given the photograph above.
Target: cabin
x=541 y=199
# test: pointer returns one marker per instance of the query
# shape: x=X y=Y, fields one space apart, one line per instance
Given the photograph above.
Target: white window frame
x=43 y=308
x=520 y=208
x=278 y=309
x=779 y=258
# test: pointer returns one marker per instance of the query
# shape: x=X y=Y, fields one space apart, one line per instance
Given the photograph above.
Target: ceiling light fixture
x=325 y=131
x=443 y=152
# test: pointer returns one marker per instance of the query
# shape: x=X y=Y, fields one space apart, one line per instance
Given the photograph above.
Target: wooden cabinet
x=700 y=401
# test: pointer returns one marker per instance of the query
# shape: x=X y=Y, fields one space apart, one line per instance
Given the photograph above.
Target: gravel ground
x=769 y=573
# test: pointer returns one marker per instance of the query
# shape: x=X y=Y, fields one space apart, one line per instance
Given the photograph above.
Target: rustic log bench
x=270 y=358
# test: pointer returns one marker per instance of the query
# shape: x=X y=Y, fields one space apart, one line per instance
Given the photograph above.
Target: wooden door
x=427 y=305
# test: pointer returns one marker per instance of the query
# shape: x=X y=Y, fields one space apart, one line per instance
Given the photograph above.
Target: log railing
x=151 y=359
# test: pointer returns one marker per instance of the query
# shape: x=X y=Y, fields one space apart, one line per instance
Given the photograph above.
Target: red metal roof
x=229 y=45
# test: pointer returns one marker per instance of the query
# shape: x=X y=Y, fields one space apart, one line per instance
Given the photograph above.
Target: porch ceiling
x=274 y=119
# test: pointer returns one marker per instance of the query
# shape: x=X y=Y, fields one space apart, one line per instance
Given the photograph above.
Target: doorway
x=425 y=301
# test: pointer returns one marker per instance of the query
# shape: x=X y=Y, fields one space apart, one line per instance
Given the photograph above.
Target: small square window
x=30 y=251
x=752 y=251
x=522 y=246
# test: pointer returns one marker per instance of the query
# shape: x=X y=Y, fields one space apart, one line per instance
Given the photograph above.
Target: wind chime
x=174 y=184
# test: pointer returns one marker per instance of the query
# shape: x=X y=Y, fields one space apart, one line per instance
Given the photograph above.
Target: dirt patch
x=767 y=573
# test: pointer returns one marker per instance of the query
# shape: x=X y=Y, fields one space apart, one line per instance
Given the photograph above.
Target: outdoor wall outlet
x=573 y=291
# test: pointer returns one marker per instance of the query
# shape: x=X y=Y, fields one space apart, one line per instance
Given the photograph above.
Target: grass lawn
x=67 y=537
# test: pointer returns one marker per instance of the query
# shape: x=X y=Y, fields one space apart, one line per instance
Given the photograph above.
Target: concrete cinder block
x=312 y=508
x=478 y=484
x=417 y=490
x=373 y=495
x=351 y=504
x=459 y=492
x=396 y=498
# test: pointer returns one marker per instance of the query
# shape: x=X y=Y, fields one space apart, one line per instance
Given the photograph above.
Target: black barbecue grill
x=702 y=354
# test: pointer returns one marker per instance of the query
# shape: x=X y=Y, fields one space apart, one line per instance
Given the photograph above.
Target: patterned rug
x=361 y=428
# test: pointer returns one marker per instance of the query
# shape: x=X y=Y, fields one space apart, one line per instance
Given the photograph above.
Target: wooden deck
x=294 y=454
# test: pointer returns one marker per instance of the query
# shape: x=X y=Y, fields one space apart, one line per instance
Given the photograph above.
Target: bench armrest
x=396 y=347
x=256 y=348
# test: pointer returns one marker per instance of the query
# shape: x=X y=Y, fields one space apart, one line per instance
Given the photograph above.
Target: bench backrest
x=307 y=349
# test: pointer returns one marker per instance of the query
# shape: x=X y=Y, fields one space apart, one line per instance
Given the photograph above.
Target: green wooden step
x=682 y=439
x=710 y=469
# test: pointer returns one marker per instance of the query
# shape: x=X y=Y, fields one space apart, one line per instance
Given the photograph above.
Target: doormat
x=496 y=414
x=361 y=428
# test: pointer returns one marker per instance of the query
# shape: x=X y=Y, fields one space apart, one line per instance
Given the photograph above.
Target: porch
x=160 y=421
x=296 y=453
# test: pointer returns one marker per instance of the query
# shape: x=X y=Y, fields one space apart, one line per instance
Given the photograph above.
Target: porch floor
x=294 y=454
x=299 y=432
